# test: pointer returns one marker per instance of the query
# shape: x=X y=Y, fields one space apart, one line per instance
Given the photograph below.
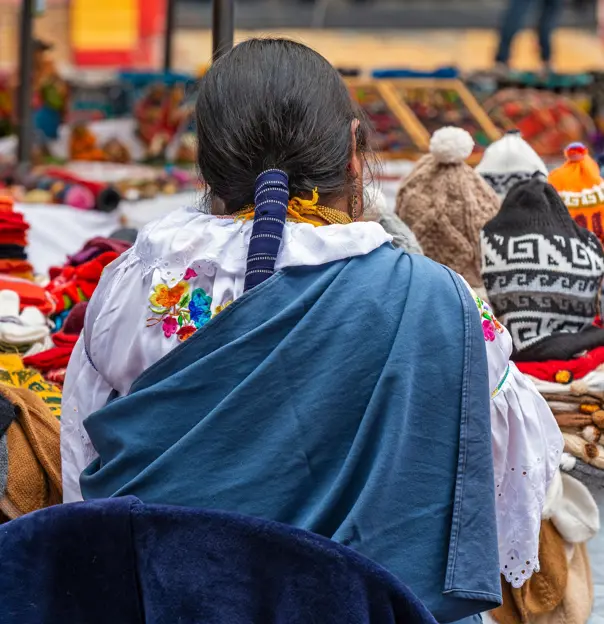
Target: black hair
x=275 y=103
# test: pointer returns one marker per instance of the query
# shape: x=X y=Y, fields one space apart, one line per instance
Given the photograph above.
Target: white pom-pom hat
x=446 y=204
x=509 y=161
x=451 y=145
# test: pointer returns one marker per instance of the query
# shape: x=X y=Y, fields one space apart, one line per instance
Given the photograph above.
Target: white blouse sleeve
x=527 y=446
x=112 y=352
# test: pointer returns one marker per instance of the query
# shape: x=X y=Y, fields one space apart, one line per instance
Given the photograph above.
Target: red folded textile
x=70 y=285
x=564 y=371
x=57 y=376
x=13 y=239
x=57 y=357
x=13 y=219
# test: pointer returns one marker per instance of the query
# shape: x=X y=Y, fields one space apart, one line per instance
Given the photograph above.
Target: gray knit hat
x=3 y=465
x=7 y=415
x=376 y=209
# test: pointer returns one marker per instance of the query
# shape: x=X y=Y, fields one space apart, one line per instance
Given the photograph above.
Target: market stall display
x=396 y=133
x=549 y=122
x=13 y=241
x=437 y=103
x=6 y=106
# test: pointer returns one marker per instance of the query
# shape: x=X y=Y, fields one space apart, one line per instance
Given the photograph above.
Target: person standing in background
x=513 y=20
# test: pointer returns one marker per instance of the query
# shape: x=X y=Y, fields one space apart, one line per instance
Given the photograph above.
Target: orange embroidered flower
x=165 y=297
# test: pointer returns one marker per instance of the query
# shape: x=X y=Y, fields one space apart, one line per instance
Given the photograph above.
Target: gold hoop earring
x=354 y=206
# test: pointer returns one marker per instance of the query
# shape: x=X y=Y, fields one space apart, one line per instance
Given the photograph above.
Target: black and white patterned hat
x=542 y=272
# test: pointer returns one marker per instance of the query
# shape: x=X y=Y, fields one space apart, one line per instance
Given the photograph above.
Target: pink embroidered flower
x=488 y=330
x=190 y=274
x=170 y=326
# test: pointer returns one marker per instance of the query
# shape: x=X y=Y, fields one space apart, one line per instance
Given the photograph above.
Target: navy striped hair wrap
x=271 y=196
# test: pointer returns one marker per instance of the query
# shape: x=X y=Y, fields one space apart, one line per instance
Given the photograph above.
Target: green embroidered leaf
x=180 y=320
x=158 y=310
x=184 y=302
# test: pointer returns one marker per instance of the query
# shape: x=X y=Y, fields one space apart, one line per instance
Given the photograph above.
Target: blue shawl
x=350 y=400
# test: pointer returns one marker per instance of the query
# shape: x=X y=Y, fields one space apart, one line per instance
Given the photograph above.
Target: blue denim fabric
x=350 y=400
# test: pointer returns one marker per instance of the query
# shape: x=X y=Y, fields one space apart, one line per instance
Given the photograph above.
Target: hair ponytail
x=271 y=196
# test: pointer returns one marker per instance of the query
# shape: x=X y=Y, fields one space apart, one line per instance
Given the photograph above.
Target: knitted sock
x=592 y=454
x=588 y=475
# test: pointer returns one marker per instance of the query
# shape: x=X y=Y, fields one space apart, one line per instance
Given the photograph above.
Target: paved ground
x=576 y=50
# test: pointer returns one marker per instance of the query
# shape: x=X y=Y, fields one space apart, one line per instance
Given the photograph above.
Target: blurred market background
x=97 y=131
x=102 y=132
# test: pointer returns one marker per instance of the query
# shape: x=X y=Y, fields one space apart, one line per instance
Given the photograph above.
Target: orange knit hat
x=581 y=187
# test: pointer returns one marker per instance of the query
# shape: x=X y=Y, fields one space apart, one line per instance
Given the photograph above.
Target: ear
x=356 y=165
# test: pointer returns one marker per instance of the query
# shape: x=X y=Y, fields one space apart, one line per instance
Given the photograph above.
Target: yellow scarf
x=304 y=211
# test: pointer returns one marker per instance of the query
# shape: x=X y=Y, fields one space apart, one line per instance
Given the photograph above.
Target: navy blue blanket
x=121 y=562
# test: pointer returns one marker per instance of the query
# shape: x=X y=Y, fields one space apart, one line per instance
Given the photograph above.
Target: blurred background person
x=513 y=20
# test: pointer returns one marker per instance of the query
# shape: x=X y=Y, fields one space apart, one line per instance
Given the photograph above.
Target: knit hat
x=542 y=272
x=576 y=607
x=21 y=329
x=572 y=509
x=34 y=476
x=543 y=592
x=446 y=203
x=376 y=208
x=7 y=415
x=581 y=187
x=508 y=161
x=590 y=476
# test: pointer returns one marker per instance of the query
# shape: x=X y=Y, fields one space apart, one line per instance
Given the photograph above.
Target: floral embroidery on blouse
x=220 y=308
x=490 y=325
x=179 y=309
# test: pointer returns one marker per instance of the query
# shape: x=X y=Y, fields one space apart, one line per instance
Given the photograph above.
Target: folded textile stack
x=14 y=374
x=52 y=363
x=21 y=329
x=578 y=405
x=13 y=240
x=70 y=284
x=30 y=457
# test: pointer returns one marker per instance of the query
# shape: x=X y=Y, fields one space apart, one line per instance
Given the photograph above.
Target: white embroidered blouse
x=187 y=266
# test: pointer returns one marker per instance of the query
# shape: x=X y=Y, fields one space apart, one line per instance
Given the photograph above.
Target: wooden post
x=223 y=26
x=26 y=60
x=169 y=36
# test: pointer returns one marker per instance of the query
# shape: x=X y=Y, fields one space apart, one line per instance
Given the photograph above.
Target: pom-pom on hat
x=509 y=161
x=446 y=203
x=581 y=187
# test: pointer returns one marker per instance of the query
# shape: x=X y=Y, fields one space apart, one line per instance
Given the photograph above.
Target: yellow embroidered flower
x=165 y=297
x=220 y=308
